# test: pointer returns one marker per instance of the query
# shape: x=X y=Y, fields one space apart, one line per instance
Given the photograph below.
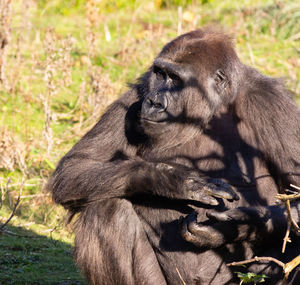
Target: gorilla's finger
x=203 y=197
x=199 y=235
x=219 y=216
x=220 y=189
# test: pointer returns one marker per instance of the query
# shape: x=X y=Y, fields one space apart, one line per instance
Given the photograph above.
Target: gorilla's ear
x=221 y=79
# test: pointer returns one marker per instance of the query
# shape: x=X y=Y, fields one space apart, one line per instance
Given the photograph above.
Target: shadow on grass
x=36 y=260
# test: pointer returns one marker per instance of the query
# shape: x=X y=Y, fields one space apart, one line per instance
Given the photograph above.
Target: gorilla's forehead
x=184 y=71
x=206 y=48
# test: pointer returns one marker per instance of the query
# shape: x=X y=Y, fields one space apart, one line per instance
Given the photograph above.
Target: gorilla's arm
x=103 y=165
x=77 y=182
x=254 y=224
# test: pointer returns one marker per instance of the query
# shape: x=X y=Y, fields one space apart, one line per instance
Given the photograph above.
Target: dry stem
x=14 y=209
x=183 y=282
x=257 y=259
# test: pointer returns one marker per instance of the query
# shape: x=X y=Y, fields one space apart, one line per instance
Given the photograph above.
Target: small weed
x=251 y=277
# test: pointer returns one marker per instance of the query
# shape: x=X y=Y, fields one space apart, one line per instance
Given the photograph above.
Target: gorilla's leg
x=111 y=246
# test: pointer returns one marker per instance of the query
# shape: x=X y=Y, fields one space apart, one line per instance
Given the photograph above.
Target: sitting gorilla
x=158 y=153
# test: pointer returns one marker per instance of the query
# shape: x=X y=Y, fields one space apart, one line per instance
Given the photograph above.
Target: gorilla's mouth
x=152 y=121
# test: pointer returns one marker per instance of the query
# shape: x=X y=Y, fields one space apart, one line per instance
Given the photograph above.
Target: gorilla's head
x=191 y=79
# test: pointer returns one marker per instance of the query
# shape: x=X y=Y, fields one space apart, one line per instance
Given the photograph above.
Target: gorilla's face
x=164 y=103
x=181 y=99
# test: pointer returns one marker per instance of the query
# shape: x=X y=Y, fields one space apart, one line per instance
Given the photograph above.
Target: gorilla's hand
x=253 y=224
x=185 y=183
x=206 y=190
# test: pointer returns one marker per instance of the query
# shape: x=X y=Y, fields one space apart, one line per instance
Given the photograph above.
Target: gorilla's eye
x=175 y=79
x=221 y=79
x=160 y=74
x=220 y=76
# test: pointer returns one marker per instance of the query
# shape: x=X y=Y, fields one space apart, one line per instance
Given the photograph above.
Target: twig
x=286 y=238
x=251 y=54
x=3 y=192
x=289 y=267
x=35 y=195
x=180 y=276
x=290 y=218
x=14 y=209
x=294 y=186
x=24 y=185
x=286 y=199
x=257 y=259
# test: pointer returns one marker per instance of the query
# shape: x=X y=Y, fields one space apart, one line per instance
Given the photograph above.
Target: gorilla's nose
x=157 y=102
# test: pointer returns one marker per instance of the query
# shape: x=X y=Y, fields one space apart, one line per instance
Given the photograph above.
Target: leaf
x=250 y=277
x=49 y=163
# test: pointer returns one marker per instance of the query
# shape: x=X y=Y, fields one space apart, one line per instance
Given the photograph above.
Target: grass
x=78 y=56
x=36 y=259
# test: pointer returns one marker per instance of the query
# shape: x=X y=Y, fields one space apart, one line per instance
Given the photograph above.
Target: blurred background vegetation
x=62 y=63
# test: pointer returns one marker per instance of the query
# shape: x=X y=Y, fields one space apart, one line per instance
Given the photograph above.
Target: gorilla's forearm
x=77 y=182
x=88 y=180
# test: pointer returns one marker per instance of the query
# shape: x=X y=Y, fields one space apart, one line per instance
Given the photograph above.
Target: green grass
x=267 y=37
x=36 y=259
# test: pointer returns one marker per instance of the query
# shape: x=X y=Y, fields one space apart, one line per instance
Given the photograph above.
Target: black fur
x=197 y=113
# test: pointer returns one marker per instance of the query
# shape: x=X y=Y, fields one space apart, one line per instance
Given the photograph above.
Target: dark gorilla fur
x=196 y=116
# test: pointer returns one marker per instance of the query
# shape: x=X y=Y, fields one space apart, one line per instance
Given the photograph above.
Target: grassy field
x=62 y=63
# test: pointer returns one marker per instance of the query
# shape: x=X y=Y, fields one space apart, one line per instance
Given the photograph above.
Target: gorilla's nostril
x=149 y=101
x=158 y=105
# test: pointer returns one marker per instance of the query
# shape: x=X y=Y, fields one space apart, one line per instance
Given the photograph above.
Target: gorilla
x=199 y=135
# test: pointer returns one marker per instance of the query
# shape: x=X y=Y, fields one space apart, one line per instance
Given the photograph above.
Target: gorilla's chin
x=154 y=128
